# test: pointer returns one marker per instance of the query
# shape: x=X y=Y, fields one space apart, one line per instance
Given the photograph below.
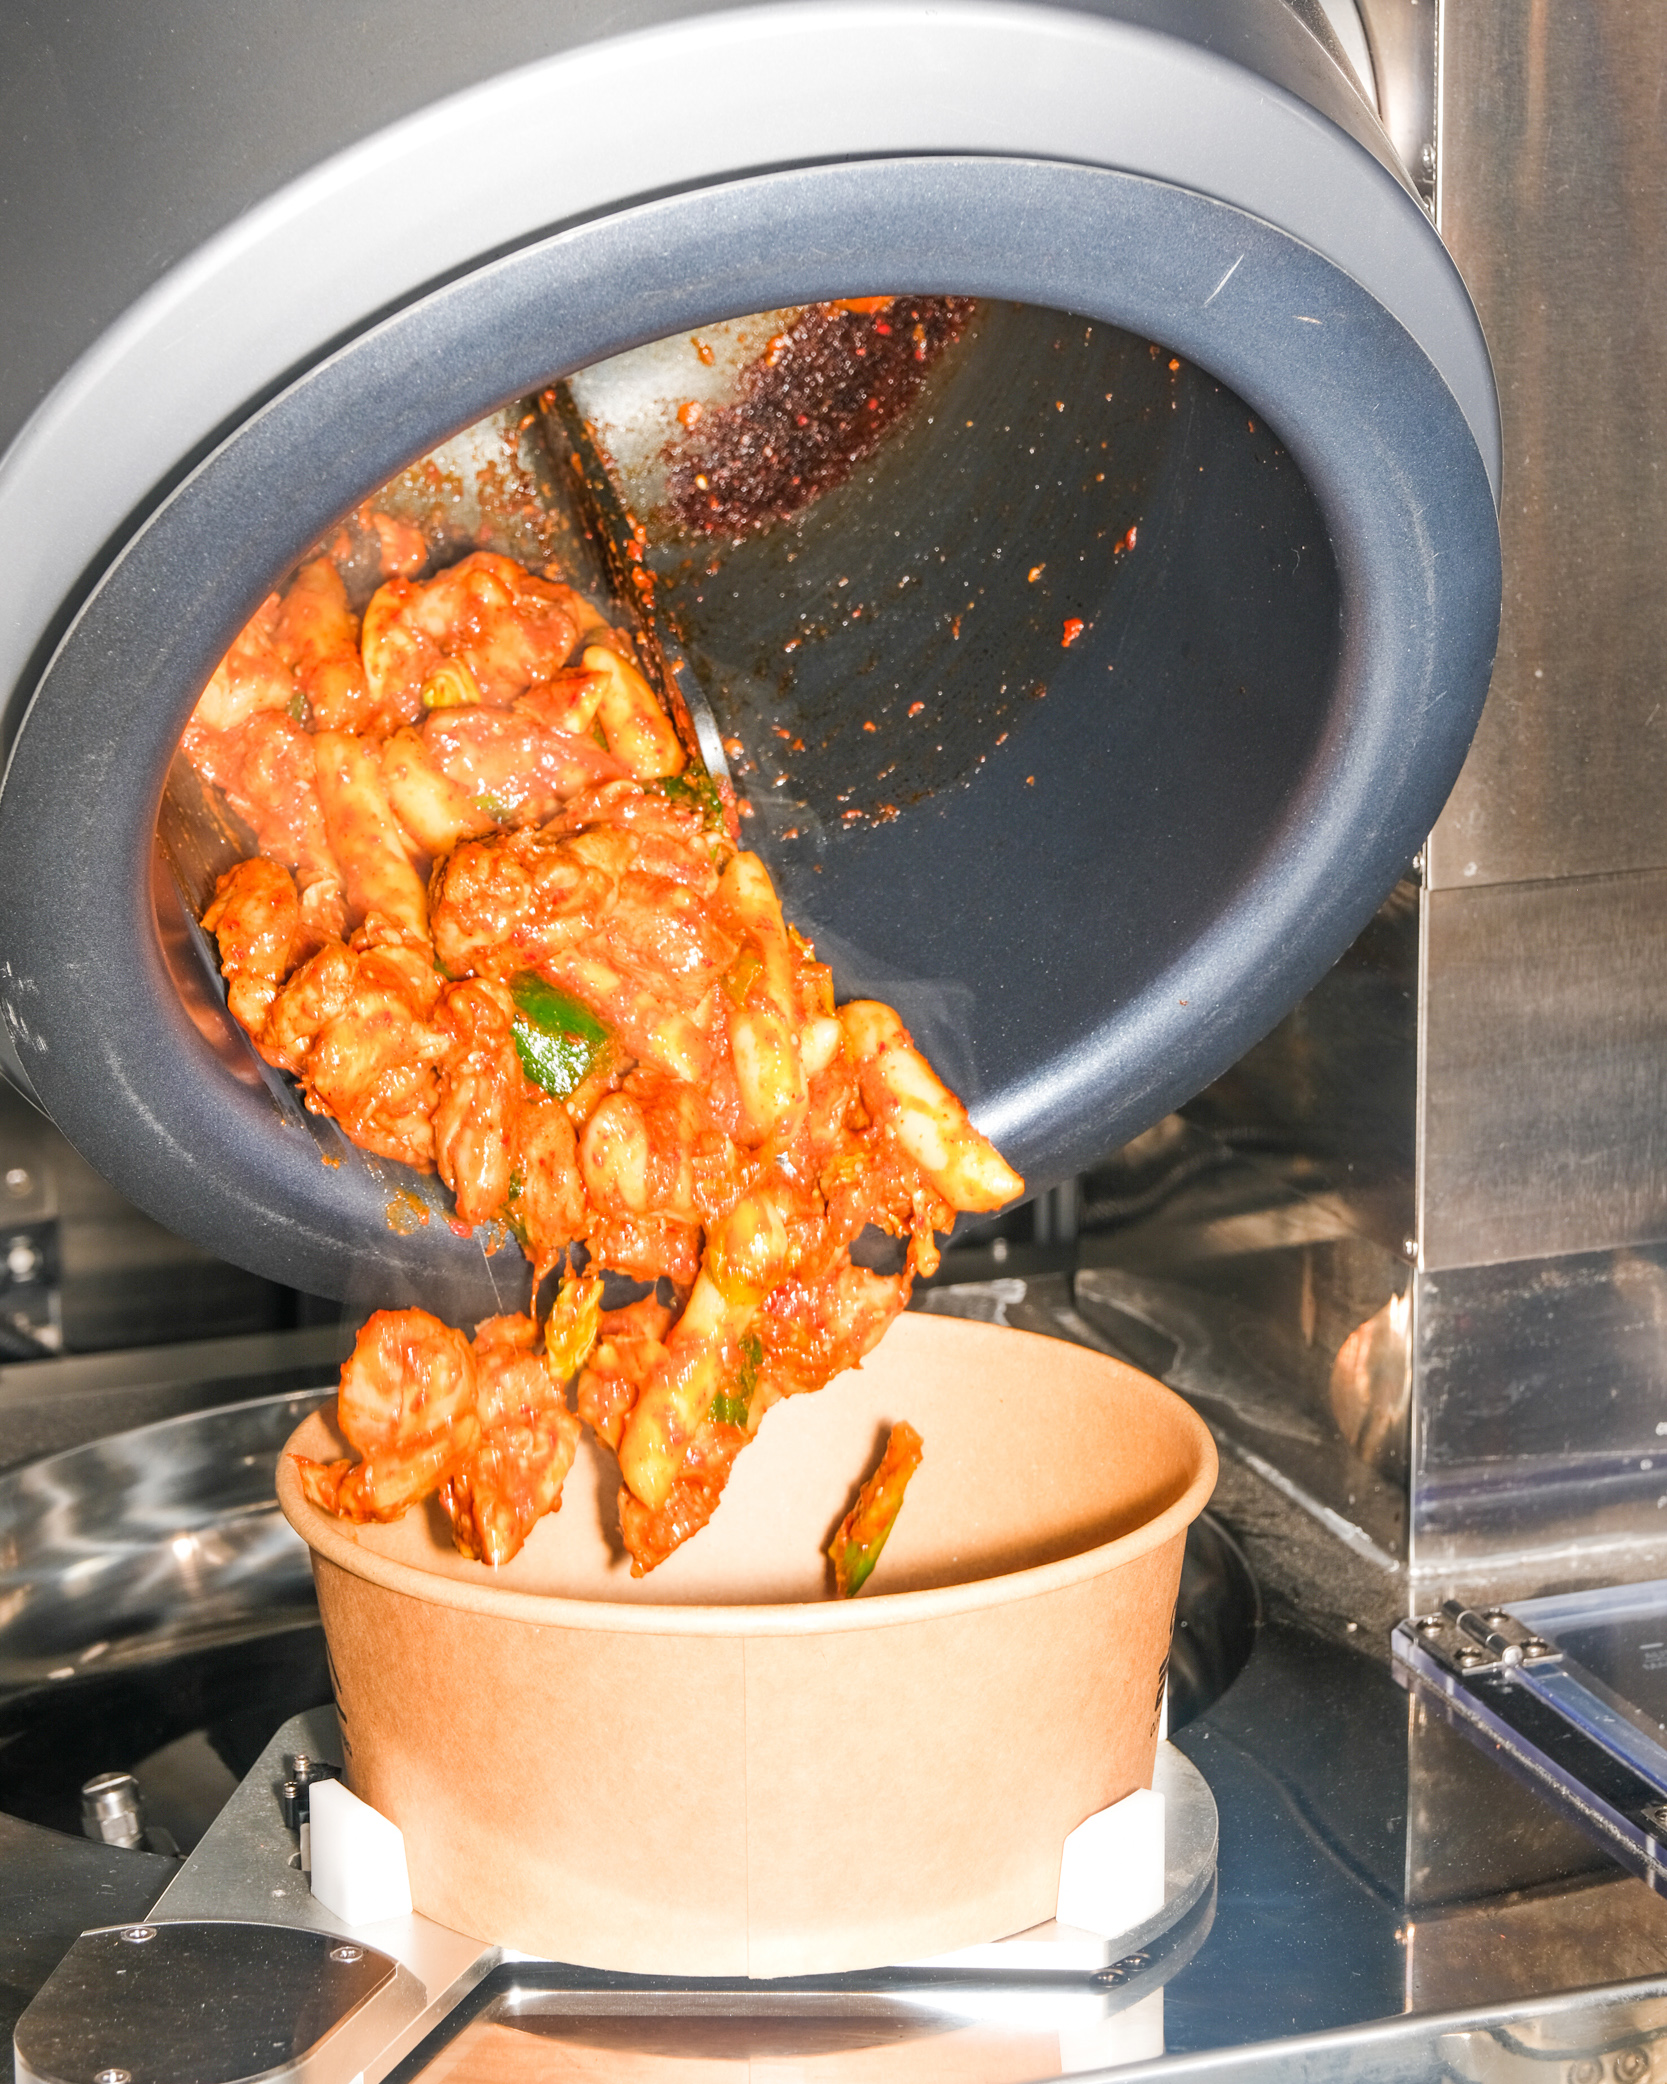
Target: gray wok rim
x=1386 y=451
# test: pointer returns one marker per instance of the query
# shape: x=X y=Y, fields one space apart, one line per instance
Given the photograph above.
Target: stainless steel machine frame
x=1436 y=1266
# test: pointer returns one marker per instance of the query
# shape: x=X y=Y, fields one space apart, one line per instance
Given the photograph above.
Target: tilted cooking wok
x=1119 y=859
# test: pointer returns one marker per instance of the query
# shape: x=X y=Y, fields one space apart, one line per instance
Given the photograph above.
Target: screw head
x=1631 y=2064
x=1428 y=1624
x=136 y=1935
x=113 y=2077
x=1467 y=1660
x=347 y=1953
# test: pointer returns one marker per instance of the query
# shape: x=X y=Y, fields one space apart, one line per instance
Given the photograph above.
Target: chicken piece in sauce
x=527 y=1442
x=407 y=1403
x=539 y=963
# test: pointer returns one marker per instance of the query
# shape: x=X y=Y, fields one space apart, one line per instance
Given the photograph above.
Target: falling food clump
x=495 y=920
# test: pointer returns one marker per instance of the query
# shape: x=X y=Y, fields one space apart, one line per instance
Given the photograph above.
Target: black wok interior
x=1055 y=475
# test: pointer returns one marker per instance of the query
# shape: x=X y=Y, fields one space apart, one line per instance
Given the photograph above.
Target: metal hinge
x=1469 y=1640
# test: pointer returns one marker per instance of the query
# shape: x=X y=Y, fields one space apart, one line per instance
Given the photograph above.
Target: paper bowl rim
x=336 y=1542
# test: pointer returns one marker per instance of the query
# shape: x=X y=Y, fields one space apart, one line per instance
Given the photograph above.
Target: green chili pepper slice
x=732 y=1403
x=693 y=791
x=559 y=1040
x=855 y=1549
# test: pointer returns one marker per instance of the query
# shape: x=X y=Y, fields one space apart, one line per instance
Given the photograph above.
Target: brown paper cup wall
x=722 y=1769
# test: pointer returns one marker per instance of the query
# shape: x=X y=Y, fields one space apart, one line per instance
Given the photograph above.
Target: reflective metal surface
x=1545 y=1082
x=195 y=2004
x=50 y=1406
x=1553 y=188
x=248 y=1868
x=156 y=1619
x=1542 y=1385
x=1285 y=1327
x=155 y=1542
x=1368 y=1860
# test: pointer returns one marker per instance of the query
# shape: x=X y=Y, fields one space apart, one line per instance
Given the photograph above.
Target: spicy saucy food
x=497 y=927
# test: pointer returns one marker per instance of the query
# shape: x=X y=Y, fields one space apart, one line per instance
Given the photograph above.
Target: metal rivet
x=18 y=1180
x=113 y=2077
x=136 y=1935
x=347 y=1953
x=1630 y=2065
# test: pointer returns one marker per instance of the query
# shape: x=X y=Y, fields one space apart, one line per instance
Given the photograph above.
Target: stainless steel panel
x=1612 y=1928
x=1476 y=1833
x=1540 y=1428
x=1545 y=1076
x=1554 y=192
x=1290 y=1333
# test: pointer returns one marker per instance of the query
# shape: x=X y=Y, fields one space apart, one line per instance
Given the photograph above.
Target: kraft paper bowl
x=722 y=1769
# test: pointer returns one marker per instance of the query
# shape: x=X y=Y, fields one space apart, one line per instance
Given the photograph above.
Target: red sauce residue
x=406 y=1214
x=812 y=408
x=1073 y=629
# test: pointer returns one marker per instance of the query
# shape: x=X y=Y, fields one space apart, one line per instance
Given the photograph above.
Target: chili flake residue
x=812 y=408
